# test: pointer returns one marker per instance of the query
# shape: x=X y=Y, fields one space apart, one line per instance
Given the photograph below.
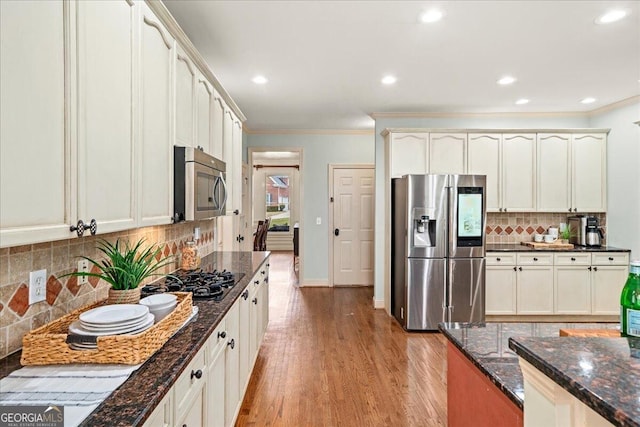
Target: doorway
x=277 y=197
x=351 y=215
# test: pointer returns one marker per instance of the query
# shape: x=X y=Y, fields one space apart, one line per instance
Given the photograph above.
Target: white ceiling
x=325 y=59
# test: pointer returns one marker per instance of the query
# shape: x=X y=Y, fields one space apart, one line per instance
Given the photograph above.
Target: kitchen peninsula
x=595 y=377
x=181 y=380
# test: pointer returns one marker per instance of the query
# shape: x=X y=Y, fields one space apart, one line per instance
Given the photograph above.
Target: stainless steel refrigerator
x=438 y=250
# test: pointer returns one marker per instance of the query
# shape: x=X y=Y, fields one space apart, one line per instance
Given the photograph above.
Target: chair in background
x=263 y=238
x=257 y=236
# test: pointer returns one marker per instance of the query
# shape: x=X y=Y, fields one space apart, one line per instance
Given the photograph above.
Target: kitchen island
x=135 y=400
x=485 y=381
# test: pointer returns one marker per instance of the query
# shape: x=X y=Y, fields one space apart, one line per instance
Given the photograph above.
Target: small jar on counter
x=190 y=259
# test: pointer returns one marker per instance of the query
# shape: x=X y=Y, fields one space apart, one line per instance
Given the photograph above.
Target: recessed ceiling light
x=431 y=16
x=588 y=100
x=522 y=101
x=259 y=80
x=388 y=80
x=611 y=16
x=506 y=80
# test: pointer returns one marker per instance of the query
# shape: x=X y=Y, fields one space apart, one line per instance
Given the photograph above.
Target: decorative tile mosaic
x=64 y=294
x=521 y=226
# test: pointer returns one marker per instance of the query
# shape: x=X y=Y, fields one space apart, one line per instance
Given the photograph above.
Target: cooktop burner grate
x=213 y=285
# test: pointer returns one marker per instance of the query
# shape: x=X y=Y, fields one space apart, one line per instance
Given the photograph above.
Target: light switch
x=318 y=221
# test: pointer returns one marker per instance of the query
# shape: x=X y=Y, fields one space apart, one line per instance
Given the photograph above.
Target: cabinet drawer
x=501 y=258
x=572 y=258
x=610 y=258
x=535 y=259
x=189 y=385
x=217 y=340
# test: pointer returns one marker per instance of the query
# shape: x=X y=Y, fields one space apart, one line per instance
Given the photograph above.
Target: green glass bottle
x=630 y=303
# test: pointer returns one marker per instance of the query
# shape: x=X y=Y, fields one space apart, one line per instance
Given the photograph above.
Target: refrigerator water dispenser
x=424 y=229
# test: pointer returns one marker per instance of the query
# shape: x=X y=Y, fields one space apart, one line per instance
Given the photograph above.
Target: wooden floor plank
x=329 y=359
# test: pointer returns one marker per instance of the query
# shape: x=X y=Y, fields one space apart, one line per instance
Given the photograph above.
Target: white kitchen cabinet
x=500 y=289
x=589 y=172
x=190 y=392
x=232 y=374
x=216 y=346
x=33 y=124
x=218 y=108
x=235 y=174
x=447 y=153
x=609 y=274
x=553 y=173
x=204 y=104
x=105 y=93
x=162 y=416
x=483 y=158
x=572 y=291
x=518 y=172
x=409 y=153
x=264 y=303
x=157 y=50
x=227 y=156
x=244 y=346
x=535 y=290
x=185 y=99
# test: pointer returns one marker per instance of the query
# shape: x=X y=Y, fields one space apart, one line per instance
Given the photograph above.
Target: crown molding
x=388 y=131
x=434 y=115
x=181 y=37
x=309 y=131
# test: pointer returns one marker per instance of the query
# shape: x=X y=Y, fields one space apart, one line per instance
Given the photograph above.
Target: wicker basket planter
x=125 y=296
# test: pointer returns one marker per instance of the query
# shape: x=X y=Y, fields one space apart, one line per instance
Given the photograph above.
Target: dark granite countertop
x=486 y=345
x=514 y=247
x=603 y=373
x=134 y=401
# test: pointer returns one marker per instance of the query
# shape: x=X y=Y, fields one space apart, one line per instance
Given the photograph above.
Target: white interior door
x=353 y=218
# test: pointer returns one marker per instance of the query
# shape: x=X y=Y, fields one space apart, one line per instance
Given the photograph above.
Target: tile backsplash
x=64 y=294
x=521 y=226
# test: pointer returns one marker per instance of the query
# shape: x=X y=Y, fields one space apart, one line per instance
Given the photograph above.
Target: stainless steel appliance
x=585 y=231
x=200 y=191
x=438 y=249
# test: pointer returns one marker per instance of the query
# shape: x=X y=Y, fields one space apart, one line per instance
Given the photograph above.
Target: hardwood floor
x=329 y=359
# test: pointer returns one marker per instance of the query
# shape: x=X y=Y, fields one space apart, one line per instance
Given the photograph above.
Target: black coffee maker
x=586 y=231
x=593 y=233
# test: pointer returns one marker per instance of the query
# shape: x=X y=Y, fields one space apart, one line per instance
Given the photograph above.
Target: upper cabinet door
x=105 y=114
x=218 y=107
x=409 y=154
x=32 y=123
x=185 y=99
x=554 y=179
x=227 y=156
x=484 y=159
x=589 y=172
x=157 y=49
x=447 y=153
x=204 y=103
x=236 y=166
x=518 y=172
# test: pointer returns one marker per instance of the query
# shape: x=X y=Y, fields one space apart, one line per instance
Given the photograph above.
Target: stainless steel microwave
x=200 y=190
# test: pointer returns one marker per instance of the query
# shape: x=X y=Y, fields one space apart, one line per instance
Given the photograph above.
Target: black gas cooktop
x=210 y=285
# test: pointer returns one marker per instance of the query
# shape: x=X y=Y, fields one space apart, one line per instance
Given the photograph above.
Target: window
x=277 y=202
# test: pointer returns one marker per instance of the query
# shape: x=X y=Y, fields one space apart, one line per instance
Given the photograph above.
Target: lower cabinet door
x=232 y=368
x=535 y=290
x=215 y=388
x=573 y=290
x=195 y=416
x=162 y=416
x=500 y=290
x=606 y=286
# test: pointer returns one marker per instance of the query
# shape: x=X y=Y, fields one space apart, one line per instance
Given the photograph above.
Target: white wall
x=623 y=176
x=318 y=152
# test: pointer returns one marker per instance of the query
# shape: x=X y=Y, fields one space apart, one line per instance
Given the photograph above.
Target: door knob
x=336 y=232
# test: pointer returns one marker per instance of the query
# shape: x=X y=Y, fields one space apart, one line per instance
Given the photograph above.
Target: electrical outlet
x=37 y=286
x=83 y=266
x=318 y=221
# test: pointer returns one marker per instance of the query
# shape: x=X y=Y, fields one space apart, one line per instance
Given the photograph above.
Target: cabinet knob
x=569 y=209
x=520 y=268
x=595 y=268
x=236 y=212
x=590 y=268
x=268 y=264
x=515 y=268
x=573 y=259
x=78 y=228
x=263 y=272
x=222 y=334
x=232 y=343
x=505 y=209
x=255 y=301
x=575 y=209
x=610 y=258
x=256 y=282
x=245 y=295
x=535 y=259
x=93 y=227
x=498 y=259
x=500 y=209
x=197 y=374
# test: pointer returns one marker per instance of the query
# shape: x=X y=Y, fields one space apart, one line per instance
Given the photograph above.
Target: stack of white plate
x=160 y=305
x=115 y=319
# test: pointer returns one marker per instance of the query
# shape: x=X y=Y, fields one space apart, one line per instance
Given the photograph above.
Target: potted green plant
x=125 y=267
x=566 y=234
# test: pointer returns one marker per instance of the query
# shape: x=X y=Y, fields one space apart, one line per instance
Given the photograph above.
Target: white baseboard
x=378 y=303
x=315 y=284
